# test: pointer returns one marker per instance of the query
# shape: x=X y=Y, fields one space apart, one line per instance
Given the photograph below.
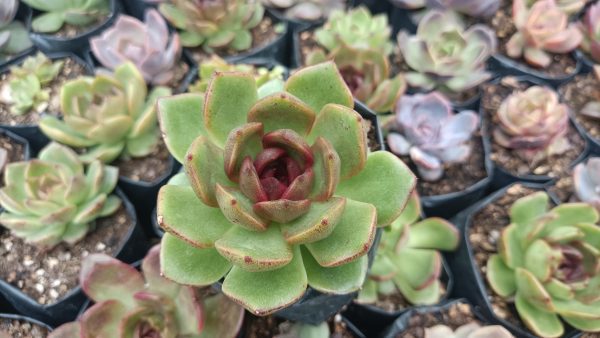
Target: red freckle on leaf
x=238 y=133
x=324 y=222
x=330 y=157
x=190 y=157
x=233 y=202
x=359 y=119
x=366 y=247
x=248 y=259
x=282 y=96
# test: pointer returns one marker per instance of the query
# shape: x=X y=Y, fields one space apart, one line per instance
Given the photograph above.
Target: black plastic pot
x=134 y=247
x=25 y=319
x=586 y=62
x=472 y=285
x=502 y=177
x=136 y=8
x=77 y=44
x=402 y=323
x=32 y=133
x=372 y=320
x=351 y=328
x=403 y=19
x=375 y=6
x=504 y=66
x=294 y=24
x=20 y=140
x=22 y=14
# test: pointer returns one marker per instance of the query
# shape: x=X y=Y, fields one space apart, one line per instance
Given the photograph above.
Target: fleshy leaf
x=283 y=111
x=419 y=268
x=533 y=291
x=181 y=122
x=317 y=224
x=525 y=210
x=326 y=170
x=102 y=318
x=542 y=323
x=433 y=233
x=282 y=210
x=500 y=277
x=243 y=141
x=342 y=279
x=237 y=208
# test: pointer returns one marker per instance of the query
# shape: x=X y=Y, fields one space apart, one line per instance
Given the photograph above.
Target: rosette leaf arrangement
x=586 y=182
x=475 y=8
x=283 y=192
x=148 y=44
x=110 y=115
x=408 y=258
x=363 y=66
x=548 y=261
x=130 y=304
x=542 y=29
x=590 y=29
x=13 y=34
x=445 y=55
x=213 y=25
x=55 y=198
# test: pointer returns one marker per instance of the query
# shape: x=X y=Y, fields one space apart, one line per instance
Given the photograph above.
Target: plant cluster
x=111 y=115
x=13 y=34
x=26 y=88
x=148 y=45
x=548 y=263
x=311 y=10
x=55 y=198
x=426 y=129
x=408 y=258
x=282 y=194
x=590 y=29
x=57 y=13
x=133 y=304
x=475 y=8
x=472 y=330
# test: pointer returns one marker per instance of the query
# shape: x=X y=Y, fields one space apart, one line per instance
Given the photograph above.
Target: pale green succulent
x=60 y=12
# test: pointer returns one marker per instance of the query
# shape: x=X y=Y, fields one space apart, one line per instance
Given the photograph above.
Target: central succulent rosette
x=279 y=193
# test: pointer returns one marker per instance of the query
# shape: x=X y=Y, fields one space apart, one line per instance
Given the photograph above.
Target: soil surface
x=10 y=151
x=181 y=70
x=69 y=70
x=262 y=327
x=70 y=31
x=555 y=166
x=308 y=44
x=502 y=24
x=262 y=35
x=21 y=329
x=149 y=168
x=485 y=230
x=455 y=316
x=47 y=275
x=579 y=92
x=372 y=141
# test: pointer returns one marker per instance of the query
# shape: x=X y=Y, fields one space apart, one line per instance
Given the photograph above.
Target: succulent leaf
x=76 y=12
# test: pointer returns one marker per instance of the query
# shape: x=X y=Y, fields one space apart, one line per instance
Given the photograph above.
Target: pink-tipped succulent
x=148 y=45
x=475 y=8
x=427 y=129
x=130 y=304
x=590 y=28
x=533 y=123
x=542 y=29
x=586 y=181
x=568 y=6
x=283 y=193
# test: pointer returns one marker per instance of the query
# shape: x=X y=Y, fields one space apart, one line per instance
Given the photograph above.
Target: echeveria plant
x=214 y=25
x=54 y=198
x=147 y=44
x=427 y=130
x=26 y=88
x=548 y=263
x=567 y=6
x=476 y=8
x=311 y=10
x=357 y=29
x=533 y=123
x=472 y=330
x=283 y=192
x=586 y=181
x=60 y=12
x=542 y=29
x=130 y=304
x=408 y=260
x=590 y=29
x=112 y=115
x=13 y=34
x=445 y=55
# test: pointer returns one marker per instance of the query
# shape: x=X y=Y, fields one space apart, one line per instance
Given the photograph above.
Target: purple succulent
x=427 y=129
x=147 y=44
x=586 y=181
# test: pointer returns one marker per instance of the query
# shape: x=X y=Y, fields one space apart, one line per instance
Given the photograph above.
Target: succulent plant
x=472 y=330
x=590 y=29
x=427 y=130
x=586 y=181
x=302 y=330
x=445 y=55
x=475 y=8
x=214 y=25
x=61 y=12
x=52 y=199
x=408 y=258
x=282 y=192
x=130 y=304
x=311 y=10
x=25 y=90
x=13 y=34
x=147 y=44
x=567 y=6
x=592 y=108
x=357 y=29
x=266 y=80
x=110 y=114
x=548 y=262
x=542 y=29
x=533 y=123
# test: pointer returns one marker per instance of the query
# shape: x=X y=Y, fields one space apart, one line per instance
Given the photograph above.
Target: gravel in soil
x=556 y=166
x=485 y=230
x=70 y=70
x=502 y=23
x=149 y=168
x=48 y=275
x=455 y=316
x=270 y=326
x=15 y=328
x=12 y=152
x=579 y=92
x=308 y=44
x=262 y=35
x=180 y=71
x=68 y=31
